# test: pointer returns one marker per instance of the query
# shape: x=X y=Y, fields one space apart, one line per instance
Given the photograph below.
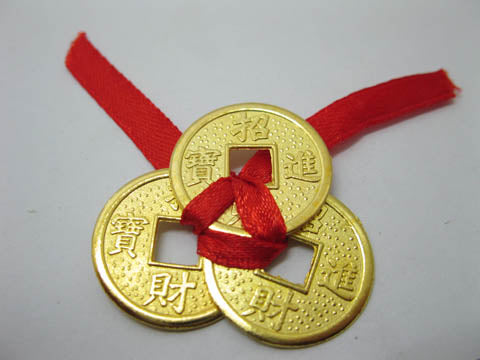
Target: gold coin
x=166 y=295
x=286 y=314
x=301 y=164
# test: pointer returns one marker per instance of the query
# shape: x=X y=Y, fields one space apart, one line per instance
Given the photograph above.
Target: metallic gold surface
x=166 y=295
x=336 y=288
x=301 y=164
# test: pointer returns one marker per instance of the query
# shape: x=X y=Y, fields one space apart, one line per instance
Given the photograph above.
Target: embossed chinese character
x=171 y=200
x=284 y=307
x=254 y=127
x=201 y=163
x=161 y=284
x=315 y=224
x=347 y=276
x=302 y=166
x=182 y=292
x=127 y=228
x=159 y=288
x=262 y=302
x=340 y=279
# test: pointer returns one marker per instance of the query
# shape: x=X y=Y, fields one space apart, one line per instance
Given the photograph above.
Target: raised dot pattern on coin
x=335 y=290
x=301 y=165
x=165 y=295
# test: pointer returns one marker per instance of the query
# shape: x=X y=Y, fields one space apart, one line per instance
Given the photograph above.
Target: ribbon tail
x=381 y=103
x=151 y=131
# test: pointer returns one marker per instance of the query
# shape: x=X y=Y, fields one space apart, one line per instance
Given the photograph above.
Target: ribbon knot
x=258 y=212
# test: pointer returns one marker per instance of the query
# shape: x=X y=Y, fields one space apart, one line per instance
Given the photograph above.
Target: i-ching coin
x=166 y=295
x=286 y=314
x=301 y=164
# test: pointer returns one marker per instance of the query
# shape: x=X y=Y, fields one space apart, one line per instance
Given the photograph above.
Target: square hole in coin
x=175 y=244
x=239 y=155
x=294 y=263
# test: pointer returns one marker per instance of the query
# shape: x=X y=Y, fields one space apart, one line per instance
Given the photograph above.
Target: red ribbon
x=155 y=135
x=260 y=216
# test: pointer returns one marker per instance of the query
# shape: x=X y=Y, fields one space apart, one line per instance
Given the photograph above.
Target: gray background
x=414 y=184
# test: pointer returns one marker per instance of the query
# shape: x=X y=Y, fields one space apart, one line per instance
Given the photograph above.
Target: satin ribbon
x=155 y=135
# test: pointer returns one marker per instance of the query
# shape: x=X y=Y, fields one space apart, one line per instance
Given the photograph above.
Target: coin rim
x=179 y=149
x=150 y=318
x=292 y=340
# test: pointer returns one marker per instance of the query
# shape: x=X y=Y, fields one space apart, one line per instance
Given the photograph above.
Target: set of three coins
x=175 y=296
x=163 y=300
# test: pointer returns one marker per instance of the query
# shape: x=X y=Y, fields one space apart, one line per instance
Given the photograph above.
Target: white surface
x=414 y=184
